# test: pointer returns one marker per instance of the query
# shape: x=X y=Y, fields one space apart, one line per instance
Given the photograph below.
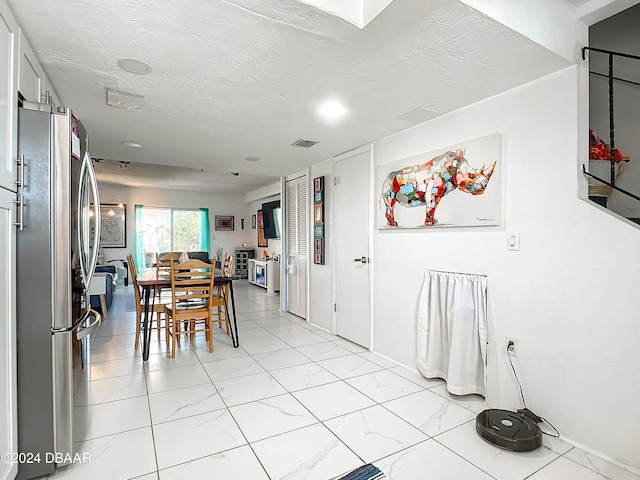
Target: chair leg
x=138 y=320
x=174 y=334
x=208 y=327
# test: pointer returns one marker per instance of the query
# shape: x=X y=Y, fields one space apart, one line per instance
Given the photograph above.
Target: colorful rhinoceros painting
x=428 y=183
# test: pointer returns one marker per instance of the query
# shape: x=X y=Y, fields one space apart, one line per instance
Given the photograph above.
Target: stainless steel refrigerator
x=57 y=247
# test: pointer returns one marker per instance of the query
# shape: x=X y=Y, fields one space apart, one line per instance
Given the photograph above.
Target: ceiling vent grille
x=303 y=143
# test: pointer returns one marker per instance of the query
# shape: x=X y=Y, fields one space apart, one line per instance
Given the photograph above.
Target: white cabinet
x=264 y=274
x=31 y=75
x=8 y=388
x=8 y=97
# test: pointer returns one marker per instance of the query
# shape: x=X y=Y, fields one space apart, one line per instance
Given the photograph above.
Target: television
x=272 y=219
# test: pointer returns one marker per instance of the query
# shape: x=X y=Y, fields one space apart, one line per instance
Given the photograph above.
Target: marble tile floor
x=293 y=402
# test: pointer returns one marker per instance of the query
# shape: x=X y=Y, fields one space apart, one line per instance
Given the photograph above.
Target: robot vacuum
x=509 y=430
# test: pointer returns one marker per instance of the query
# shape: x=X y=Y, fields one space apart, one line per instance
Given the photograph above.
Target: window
x=168 y=229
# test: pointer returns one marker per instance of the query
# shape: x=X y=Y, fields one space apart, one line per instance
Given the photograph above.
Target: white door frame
x=368 y=148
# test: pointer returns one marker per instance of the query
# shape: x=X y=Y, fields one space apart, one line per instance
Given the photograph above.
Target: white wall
x=551 y=23
x=218 y=204
x=320 y=278
x=568 y=296
x=274 y=245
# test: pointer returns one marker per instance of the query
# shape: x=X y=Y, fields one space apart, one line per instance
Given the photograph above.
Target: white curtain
x=452 y=330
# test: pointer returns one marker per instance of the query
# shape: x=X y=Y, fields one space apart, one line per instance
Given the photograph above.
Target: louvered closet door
x=296 y=268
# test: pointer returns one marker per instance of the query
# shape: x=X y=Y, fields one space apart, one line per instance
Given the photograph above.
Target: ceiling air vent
x=304 y=143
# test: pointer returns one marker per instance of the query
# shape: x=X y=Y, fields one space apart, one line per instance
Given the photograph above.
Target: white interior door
x=296 y=228
x=352 y=198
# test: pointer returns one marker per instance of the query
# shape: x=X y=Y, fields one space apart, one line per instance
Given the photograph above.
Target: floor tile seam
x=108 y=378
x=111 y=359
x=170 y=367
x=368 y=396
x=435 y=438
x=400 y=418
x=317 y=422
x=307 y=387
x=348 y=385
x=181 y=387
x=111 y=401
x=105 y=379
x=159 y=423
x=201 y=458
x=266 y=353
x=153 y=438
x=291 y=366
x=592 y=469
x=119 y=432
x=234 y=377
x=407 y=421
x=545 y=466
x=373 y=462
x=449 y=397
x=114 y=434
x=260 y=462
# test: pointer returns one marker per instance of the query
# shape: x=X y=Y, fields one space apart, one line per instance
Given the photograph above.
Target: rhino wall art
x=455 y=186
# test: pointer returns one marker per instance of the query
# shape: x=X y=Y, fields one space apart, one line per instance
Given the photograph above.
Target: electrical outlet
x=511 y=346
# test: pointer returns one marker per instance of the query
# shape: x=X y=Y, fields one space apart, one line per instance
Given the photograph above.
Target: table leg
x=103 y=306
x=145 y=324
x=234 y=327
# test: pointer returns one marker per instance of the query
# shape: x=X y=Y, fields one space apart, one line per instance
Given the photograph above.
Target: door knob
x=361 y=259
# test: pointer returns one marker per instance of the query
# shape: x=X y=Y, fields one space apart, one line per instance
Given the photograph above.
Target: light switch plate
x=513 y=241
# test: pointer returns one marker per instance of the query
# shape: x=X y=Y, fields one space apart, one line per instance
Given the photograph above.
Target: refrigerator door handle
x=81 y=244
x=92 y=327
x=75 y=325
x=97 y=222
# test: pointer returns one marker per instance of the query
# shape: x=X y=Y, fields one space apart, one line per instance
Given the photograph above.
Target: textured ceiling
x=243 y=78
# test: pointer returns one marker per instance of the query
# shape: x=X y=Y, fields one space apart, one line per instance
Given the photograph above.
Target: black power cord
x=525 y=411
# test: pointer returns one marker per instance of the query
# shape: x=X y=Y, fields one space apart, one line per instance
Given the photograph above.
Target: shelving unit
x=243 y=255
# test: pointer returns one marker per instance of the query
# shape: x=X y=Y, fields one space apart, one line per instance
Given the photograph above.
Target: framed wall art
x=262 y=242
x=113 y=225
x=224 y=223
x=318 y=216
x=458 y=185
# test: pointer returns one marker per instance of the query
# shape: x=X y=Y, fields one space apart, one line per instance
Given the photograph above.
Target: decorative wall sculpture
x=424 y=180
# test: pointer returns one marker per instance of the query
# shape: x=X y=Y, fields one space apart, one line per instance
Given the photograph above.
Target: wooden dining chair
x=190 y=310
x=158 y=304
x=221 y=297
x=163 y=262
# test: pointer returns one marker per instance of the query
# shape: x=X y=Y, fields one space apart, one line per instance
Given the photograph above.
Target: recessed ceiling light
x=132 y=144
x=252 y=159
x=134 y=66
x=332 y=110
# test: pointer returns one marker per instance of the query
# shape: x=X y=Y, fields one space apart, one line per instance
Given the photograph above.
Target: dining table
x=152 y=280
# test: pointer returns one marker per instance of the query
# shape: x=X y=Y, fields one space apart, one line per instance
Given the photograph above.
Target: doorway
x=296 y=228
x=352 y=269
